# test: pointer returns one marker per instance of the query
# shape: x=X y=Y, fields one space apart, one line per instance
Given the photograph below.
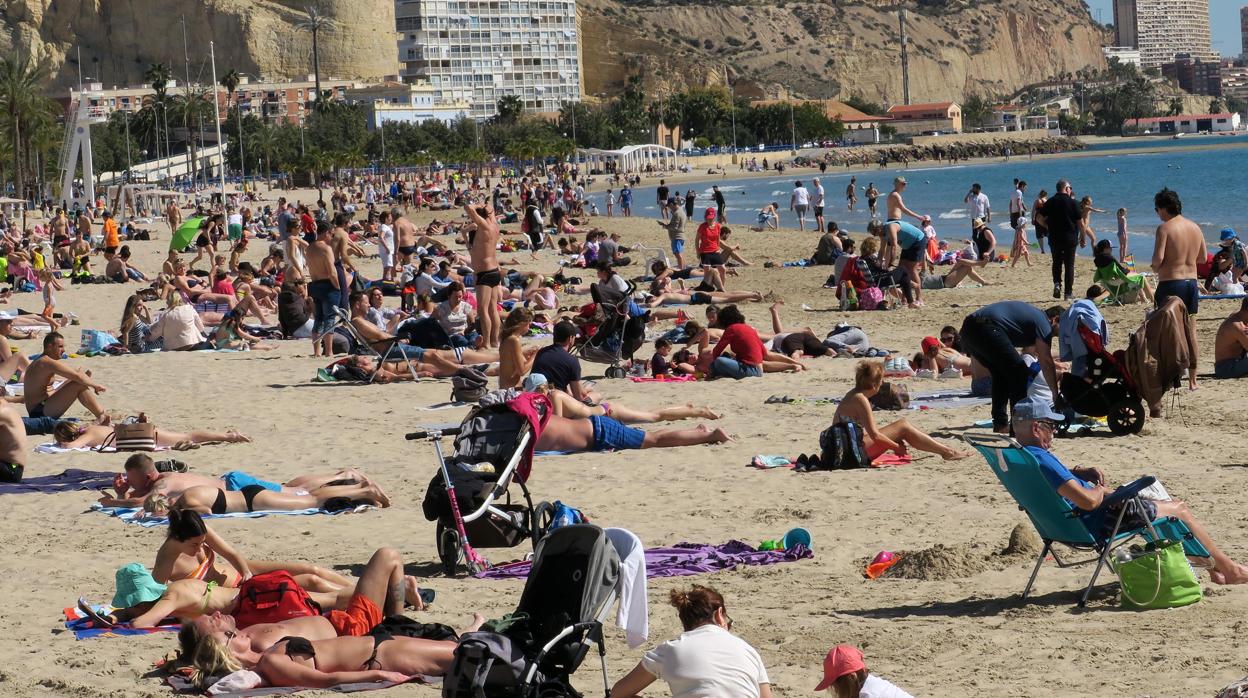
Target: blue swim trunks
x=678 y=246
x=611 y=434
x=236 y=480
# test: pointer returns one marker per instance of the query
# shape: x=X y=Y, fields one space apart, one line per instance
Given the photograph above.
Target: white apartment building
x=1124 y=54
x=1162 y=28
x=401 y=102
x=477 y=51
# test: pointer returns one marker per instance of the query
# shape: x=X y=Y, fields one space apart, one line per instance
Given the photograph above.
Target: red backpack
x=272 y=597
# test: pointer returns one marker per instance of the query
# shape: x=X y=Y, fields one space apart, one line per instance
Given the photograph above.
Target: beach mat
x=182 y=685
x=771 y=462
x=51 y=448
x=134 y=515
x=69 y=480
x=84 y=628
x=682 y=560
x=940 y=399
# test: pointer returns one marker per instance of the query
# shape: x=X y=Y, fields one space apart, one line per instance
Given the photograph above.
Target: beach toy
x=771 y=545
x=883 y=556
x=880 y=564
x=795 y=537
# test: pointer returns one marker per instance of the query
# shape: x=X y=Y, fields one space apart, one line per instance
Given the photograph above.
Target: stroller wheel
x=448 y=549
x=1126 y=417
x=616 y=372
x=543 y=516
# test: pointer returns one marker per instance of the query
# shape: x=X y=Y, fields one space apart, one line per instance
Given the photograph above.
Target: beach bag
x=1158 y=578
x=892 y=396
x=139 y=436
x=870 y=298
x=95 y=341
x=841 y=447
x=485 y=664
x=272 y=597
x=468 y=385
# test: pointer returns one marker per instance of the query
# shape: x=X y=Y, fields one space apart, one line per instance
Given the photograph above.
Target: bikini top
x=299 y=646
x=206 y=566
x=207 y=597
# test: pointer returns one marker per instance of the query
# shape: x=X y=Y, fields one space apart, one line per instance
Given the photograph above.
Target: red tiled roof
x=911 y=108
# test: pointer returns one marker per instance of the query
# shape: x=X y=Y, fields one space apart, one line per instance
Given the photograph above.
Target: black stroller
x=571 y=588
x=1108 y=391
x=489 y=445
x=618 y=335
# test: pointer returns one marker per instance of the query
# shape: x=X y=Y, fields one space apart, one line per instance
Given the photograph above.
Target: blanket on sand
x=681 y=560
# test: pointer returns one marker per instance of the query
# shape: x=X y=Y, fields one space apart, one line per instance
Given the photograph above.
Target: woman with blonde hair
x=514 y=361
x=706 y=660
x=845 y=675
x=76 y=435
x=895 y=437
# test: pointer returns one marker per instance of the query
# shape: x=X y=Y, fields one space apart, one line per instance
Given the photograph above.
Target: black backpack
x=485 y=665
x=841 y=447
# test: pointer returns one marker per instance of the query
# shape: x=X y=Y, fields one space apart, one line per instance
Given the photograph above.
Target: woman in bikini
x=193 y=551
x=895 y=437
x=567 y=406
x=73 y=435
x=514 y=361
x=335 y=496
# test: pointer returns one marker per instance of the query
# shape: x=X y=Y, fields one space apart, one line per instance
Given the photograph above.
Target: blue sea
x=1213 y=185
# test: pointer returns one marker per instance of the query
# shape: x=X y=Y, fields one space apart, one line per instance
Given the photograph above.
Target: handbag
x=1160 y=577
x=891 y=396
x=138 y=436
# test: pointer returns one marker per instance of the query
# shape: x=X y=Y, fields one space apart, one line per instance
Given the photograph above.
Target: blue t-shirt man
x=1055 y=473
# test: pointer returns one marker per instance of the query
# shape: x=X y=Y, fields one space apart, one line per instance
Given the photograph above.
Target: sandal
x=100 y=621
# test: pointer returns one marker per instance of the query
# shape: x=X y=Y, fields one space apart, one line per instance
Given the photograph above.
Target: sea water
x=1213 y=184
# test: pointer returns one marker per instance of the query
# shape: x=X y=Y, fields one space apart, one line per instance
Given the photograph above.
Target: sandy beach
x=960 y=631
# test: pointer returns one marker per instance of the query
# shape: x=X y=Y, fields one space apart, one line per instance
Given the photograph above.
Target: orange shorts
x=361 y=616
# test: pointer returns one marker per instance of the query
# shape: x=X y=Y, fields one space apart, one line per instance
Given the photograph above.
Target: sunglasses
x=1048 y=423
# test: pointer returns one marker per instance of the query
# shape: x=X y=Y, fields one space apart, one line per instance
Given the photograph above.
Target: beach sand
x=961 y=632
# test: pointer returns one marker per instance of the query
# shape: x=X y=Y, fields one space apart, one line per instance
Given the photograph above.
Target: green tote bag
x=1158 y=578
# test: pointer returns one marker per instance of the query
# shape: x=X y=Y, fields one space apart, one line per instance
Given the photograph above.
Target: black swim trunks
x=11 y=472
x=492 y=277
x=249 y=494
x=407 y=249
x=1185 y=290
x=37 y=410
x=699 y=298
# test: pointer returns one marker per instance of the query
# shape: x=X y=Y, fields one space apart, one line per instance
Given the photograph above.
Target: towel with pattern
x=134 y=515
x=682 y=559
x=69 y=480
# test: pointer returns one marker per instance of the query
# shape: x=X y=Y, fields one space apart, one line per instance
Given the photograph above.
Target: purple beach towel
x=682 y=560
x=69 y=481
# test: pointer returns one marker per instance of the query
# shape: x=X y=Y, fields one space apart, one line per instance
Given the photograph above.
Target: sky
x=1223 y=16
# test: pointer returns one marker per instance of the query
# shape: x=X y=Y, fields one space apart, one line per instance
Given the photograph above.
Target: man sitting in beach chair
x=1085 y=489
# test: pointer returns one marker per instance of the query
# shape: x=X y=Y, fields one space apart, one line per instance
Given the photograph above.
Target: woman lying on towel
x=214 y=500
x=567 y=406
x=895 y=437
x=193 y=551
x=74 y=435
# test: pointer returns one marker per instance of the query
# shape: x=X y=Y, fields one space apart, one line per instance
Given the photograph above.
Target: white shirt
x=979 y=204
x=875 y=687
x=1016 y=202
x=235 y=219
x=387 y=238
x=801 y=197
x=818 y=195
x=707 y=662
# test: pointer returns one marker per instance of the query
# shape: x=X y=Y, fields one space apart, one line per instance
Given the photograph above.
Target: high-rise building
x=478 y=51
x=1161 y=29
x=1243 y=30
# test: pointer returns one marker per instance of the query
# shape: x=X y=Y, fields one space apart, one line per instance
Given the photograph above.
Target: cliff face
x=836 y=49
x=120 y=38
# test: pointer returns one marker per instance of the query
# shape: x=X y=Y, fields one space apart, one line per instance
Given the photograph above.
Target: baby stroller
x=1111 y=393
x=617 y=335
x=571 y=588
x=489 y=445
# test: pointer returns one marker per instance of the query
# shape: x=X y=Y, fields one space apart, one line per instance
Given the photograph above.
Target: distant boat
x=1177 y=136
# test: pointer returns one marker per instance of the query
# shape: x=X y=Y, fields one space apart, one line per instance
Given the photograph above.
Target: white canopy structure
x=630 y=158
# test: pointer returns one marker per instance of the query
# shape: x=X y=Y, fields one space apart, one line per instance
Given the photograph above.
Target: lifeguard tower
x=77 y=147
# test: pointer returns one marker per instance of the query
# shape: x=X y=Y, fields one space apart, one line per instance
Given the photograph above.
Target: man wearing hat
x=1035 y=421
x=675 y=227
x=1239 y=253
x=896 y=209
x=710 y=256
x=10 y=362
x=845 y=668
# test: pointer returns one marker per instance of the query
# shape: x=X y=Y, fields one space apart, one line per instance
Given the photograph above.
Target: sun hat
x=841 y=660
x=709 y=214
x=1032 y=409
x=135 y=585
x=533 y=381
x=930 y=344
x=1228 y=235
x=6 y=316
x=977 y=222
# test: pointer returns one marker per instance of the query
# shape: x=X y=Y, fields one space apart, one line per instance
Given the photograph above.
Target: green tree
x=1216 y=106
x=976 y=111
x=157 y=75
x=864 y=106
x=509 y=109
x=1176 y=106
x=22 y=107
x=190 y=108
x=316 y=20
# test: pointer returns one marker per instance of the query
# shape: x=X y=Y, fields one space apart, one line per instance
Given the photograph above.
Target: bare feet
x=411 y=593
x=956 y=455
x=1237 y=574
x=234 y=437
x=718 y=436
x=704 y=412
x=477 y=621
x=377 y=494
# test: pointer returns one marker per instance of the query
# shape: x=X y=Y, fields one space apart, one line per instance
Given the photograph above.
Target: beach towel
x=69 y=480
x=446 y=405
x=664 y=379
x=181 y=684
x=84 y=628
x=134 y=515
x=682 y=559
x=933 y=400
x=764 y=462
x=53 y=449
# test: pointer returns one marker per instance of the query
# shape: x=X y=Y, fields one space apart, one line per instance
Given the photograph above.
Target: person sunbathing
x=192 y=550
x=514 y=360
x=897 y=437
x=567 y=406
x=699 y=296
x=962 y=269
x=794 y=344
x=602 y=433
x=257 y=497
x=76 y=435
x=442 y=361
x=231 y=334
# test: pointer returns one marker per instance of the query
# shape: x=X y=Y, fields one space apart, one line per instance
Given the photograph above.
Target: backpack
x=468 y=385
x=272 y=597
x=485 y=664
x=870 y=298
x=841 y=447
x=892 y=396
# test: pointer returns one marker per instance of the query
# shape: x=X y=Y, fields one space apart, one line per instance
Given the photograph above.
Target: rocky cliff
x=836 y=48
x=120 y=38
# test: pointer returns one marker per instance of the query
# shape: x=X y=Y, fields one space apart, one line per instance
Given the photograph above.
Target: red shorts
x=361 y=616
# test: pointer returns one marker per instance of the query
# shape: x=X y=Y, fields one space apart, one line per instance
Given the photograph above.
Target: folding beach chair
x=1058 y=522
x=1122 y=287
x=342 y=319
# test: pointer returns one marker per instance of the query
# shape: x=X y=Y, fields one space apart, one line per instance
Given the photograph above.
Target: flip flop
x=99 y=620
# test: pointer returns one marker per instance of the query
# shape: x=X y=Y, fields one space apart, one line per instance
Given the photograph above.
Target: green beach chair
x=1122 y=287
x=1058 y=522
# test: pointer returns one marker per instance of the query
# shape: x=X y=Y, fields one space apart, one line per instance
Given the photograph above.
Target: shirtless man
x=10 y=363
x=1179 y=247
x=343 y=248
x=83 y=224
x=12 y=444
x=59 y=226
x=851 y=192
x=173 y=216
x=324 y=288
x=405 y=236
x=1230 y=351
x=895 y=208
x=602 y=433
x=78 y=385
x=483 y=244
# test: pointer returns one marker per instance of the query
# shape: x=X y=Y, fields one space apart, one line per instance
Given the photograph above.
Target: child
x=51 y=284
x=661 y=367
x=610 y=203
x=1122 y=235
x=236 y=253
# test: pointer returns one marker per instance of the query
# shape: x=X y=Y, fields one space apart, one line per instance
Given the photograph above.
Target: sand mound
x=955 y=562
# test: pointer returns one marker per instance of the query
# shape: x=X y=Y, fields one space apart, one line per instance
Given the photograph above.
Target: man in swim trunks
x=1179 y=247
x=896 y=209
x=405 y=236
x=482 y=248
x=12 y=444
x=1230 y=351
x=343 y=247
x=79 y=387
x=324 y=288
x=602 y=433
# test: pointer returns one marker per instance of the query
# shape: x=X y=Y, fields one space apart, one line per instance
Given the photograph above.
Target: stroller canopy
x=574 y=579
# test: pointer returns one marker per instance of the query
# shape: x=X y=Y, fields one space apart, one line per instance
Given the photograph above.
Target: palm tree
x=264 y=141
x=230 y=82
x=1176 y=106
x=317 y=19
x=21 y=105
x=190 y=108
x=158 y=76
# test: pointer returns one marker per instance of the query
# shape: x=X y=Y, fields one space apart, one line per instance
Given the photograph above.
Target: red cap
x=710 y=213
x=930 y=344
x=841 y=660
